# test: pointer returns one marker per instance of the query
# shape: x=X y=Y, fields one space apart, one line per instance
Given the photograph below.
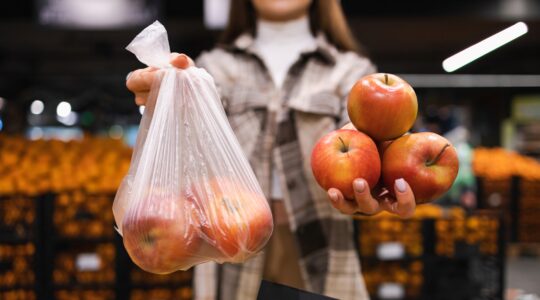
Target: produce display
x=512 y=185
x=441 y=248
x=95 y=165
x=184 y=293
x=16 y=262
x=18 y=215
x=409 y=274
x=77 y=214
x=508 y=164
x=384 y=107
x=85 y=264
x=18 y=294
x=100 y=294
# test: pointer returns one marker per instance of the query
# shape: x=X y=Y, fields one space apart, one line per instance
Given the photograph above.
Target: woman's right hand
x=139 y=81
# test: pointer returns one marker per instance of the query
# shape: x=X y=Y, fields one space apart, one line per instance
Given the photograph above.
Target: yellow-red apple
x=343 y=155
x=427 y=161
x=383 y=106
x=160 y=236
x=232 y=218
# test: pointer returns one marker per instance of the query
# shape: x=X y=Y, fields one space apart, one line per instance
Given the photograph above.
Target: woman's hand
x=403 y=204
x=373 y=202
x=140 y=81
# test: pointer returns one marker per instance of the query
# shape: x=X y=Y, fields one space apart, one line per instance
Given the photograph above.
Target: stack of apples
x=379 y=149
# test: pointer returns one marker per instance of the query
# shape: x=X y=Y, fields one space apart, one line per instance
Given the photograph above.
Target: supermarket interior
x=68 y=126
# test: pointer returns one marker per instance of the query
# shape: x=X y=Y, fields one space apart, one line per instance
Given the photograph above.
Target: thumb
x=181 y=61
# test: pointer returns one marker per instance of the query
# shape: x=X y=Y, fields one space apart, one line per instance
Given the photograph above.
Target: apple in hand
x=342 y=156
x=383 y=106
x=232 y=218
x=427 y=161
x=160 y=237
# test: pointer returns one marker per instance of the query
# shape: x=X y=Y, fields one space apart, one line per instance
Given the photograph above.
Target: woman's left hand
x=370 y=202
x=403 y=204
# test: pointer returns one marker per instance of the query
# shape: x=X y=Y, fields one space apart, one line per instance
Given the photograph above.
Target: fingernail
x=400 y=185
x=333 y=196
x=359 y=186
x=394 y=206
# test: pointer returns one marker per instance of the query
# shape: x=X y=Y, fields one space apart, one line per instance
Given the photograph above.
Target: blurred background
x=67 y=122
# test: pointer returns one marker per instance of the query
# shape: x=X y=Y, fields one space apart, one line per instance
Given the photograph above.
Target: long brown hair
x=325 y=16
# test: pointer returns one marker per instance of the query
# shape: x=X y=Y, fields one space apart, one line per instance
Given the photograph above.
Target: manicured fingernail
x=400 y=185
x=359 y=186
x=394 y=206
x=333 y=196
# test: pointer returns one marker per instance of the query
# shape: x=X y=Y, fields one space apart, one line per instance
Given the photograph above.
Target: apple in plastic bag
x=234 y=220
x=159 y=236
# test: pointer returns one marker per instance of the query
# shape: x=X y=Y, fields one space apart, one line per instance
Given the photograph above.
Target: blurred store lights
x=54 y=132
x=98 y=14
x=483 y=47
x=116 y=132
x=69 y=120
x=35 y=133
x=63 y=109
x=216 y=13
x=1 y=124
x=37 y=107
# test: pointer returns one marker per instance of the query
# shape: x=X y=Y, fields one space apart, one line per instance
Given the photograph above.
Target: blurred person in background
x=444 y=121
x=283 y=69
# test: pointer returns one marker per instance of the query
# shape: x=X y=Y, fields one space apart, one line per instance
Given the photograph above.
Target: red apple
x=383 y=106
x=160 y=236
x=343 y=155
x=234 y=219
x=427 y=161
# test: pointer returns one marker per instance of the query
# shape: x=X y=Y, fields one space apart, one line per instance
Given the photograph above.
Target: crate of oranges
x=375 y=232
x=18 y=214
x=78 y=213
x=84 y=264
x=16 y=266
x=85 y=294
x=409 y=276
x=180 y=293
x=18 y=294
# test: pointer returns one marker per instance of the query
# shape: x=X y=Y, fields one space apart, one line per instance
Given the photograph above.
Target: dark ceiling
x=400 y=37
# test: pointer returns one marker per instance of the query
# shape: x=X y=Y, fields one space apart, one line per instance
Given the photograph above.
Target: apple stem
x=434 y=161
x=343 y=146
x=386 y=79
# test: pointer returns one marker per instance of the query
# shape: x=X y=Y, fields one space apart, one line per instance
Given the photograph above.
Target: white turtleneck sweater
x=279 y=45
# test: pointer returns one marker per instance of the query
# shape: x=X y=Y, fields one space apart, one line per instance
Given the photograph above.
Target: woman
x=283 y=69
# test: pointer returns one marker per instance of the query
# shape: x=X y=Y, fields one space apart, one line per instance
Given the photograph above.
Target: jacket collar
x=323 y=49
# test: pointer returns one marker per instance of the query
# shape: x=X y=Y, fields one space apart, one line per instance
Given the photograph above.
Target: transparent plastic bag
x=190 y=195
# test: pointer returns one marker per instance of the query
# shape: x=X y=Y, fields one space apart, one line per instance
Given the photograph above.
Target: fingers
x=364 y=201
x=405 y=203
x=340 y=203
x=181 y=61
x=141 y=80
x=140 y=98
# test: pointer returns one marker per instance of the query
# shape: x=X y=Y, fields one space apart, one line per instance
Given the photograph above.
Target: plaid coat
x=280 y=127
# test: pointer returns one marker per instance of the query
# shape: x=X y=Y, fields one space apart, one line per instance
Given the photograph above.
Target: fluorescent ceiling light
x=480 y=49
